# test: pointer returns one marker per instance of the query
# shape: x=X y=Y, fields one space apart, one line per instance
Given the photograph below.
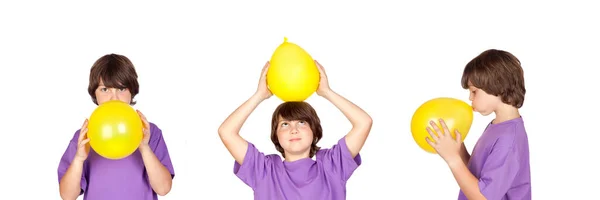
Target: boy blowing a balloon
x=499 y=165
x=295 y=132
x=145 y=173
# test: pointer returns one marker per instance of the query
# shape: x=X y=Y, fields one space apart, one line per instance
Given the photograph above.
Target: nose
x=113 y=94
x=294 y=130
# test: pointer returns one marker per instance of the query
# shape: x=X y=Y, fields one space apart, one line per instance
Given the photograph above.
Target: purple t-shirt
x=117 y=179
x=500 y=160
x=274 y=179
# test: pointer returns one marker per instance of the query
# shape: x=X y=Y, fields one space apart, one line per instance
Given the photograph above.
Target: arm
x=159 y=176
x=451 y=150
x=464 y=154
x=497 y=174
x=70 y=183
x=155 y=156
x=360 y=120
x=468 y=183
x=229 y=131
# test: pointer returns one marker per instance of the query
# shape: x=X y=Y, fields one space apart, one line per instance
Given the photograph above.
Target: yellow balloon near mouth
x=293 y=74
x=457 y=115
x=115 y=130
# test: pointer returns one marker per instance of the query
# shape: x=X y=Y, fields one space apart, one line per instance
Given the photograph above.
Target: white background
x=198 y=62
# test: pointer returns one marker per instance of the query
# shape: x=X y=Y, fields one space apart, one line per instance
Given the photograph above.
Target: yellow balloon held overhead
x=457 y=115
x=115 y=130
x=293 y=74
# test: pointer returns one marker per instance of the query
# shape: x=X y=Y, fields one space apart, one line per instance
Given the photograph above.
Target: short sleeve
x=499 y=171
x=254 y=167
x=66 y=160
x=338 y=160
x=159 y=147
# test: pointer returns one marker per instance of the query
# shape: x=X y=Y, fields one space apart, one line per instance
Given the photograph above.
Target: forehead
x=111 y=83
x=282 y=119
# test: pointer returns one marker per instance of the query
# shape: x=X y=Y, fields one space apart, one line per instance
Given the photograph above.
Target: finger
x=446 y=131
x=81 y=130
x=433 y=135
x=458 y=136
x=265 y=68
x=432 y=144
x=144 y=120
x=83 y=142
x=320 y=67
x=436 y=128
x=83 y=134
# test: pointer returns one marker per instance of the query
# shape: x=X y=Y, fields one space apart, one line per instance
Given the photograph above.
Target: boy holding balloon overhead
x=295 y=132
x=143 y=174
x=498 y=167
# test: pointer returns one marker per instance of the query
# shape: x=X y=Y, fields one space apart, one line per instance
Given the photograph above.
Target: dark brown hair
x=297 y=111
x=498 y=73
x=115 y=71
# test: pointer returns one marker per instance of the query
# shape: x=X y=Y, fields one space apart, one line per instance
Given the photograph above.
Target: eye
x=302 y=122
x=284 y=124
x=103 y=89
x=122 y=89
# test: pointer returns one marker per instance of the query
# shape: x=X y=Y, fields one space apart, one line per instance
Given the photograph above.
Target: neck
x=289 y=157
x=505 y=112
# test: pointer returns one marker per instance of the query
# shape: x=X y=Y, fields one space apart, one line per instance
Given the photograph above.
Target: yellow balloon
x=293 y=74
x=456 y=114
x=115 y=130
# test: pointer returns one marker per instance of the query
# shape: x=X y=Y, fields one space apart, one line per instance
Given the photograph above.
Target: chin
x=485 y=113
x=297 y=150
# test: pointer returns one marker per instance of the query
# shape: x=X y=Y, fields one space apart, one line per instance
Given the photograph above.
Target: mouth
x=294 y=139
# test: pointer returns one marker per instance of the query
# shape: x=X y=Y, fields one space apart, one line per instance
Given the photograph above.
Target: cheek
x=100 y=97
x=126 y=96
x=478 y=103
x=282 y=137
x=308 y=134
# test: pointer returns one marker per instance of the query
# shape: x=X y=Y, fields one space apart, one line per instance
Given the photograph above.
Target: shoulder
x=337 y=149
x=507 y=134
x=154 y=127
x=274 y=158
x=253 y=153
x=155 y=130
x=75 y=135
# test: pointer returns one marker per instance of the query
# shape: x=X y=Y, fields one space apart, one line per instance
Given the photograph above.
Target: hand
x=83 y=148
x=263 y=89
x=323 y=88
x=145 y=130
x=446 y=146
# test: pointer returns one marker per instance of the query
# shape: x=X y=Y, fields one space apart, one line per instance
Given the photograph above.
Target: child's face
x=104 y=94
x=481 y=101
x=295 y=136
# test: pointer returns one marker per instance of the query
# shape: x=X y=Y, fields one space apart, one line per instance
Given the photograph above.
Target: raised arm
x=229 y=131
x=360 y=120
